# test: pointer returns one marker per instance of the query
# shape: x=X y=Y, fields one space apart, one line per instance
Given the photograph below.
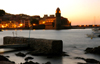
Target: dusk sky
x=79 y=12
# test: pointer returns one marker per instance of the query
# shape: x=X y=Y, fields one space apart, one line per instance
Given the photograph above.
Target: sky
x=78 y=12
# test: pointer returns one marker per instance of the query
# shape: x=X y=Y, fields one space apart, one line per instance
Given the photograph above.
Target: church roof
x=58 y=10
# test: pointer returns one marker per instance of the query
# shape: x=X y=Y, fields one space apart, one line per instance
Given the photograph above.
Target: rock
x=94 y=50
x=88 y=50
x=2 y=58
x=91 y=60
x=28 y=58
x=13 y=62
x=79 y=58
x=30 y=62
x=64 y=54
x=81 y=63
x=7 y=56
x=88 y=60
x=20 y=54
x=6 y=62
x=48 y=63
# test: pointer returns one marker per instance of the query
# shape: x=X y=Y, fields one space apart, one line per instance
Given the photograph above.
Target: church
x=55 y=21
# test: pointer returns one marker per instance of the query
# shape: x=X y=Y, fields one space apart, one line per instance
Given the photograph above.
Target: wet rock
x=79 y=58
x=88 y=60
x=64 y=54
x=91 y=61
x=6 y=62
x=30 y=62
x=81 y=63
x=28 y=58
x=20 y=54
x=88 y=50
x=7 y=56
x=94 y=50
x=48 y=63
x=2 y=58
x=13 y=62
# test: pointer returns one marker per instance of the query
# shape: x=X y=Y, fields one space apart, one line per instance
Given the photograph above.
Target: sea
x=75 y=42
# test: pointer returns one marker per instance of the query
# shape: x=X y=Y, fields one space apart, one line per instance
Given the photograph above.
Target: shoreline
x=78 y=43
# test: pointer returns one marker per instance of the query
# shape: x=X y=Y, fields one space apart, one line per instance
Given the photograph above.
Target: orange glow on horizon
x=84 y=25
x=80 y=25
x=93 y=25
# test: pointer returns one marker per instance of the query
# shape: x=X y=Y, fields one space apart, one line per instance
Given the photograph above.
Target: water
x=75 y=42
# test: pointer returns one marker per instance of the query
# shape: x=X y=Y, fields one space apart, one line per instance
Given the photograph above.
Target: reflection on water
x=2 y=50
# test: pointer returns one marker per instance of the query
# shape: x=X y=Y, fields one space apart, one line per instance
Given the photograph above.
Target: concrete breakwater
x=37 y=45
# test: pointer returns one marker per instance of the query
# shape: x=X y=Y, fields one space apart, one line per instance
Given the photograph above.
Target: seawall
x=37 y=45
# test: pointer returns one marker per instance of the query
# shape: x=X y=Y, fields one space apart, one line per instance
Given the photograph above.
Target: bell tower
x=58 y=19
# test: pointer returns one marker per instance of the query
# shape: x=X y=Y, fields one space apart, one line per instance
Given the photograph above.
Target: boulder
x=20 y=54
x=4 y=60
x=95 y=50
x=92 y=61
x=30 y=62
x=88 y=60
x=28 y=58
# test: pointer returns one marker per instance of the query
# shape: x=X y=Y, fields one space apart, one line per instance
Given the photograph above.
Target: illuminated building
x=55 y=21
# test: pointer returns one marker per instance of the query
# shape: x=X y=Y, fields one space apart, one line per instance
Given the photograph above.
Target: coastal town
x=23 y=21
x=49 y=32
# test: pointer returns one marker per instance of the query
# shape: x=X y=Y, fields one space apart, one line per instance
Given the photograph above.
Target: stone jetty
x=37 y=45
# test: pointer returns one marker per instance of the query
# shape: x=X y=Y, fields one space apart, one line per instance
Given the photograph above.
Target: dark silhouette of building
x=58 y=19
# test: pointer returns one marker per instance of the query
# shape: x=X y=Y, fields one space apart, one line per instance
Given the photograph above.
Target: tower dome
x=58 y=10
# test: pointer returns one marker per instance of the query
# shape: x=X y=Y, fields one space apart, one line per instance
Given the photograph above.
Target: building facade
x=55 y=21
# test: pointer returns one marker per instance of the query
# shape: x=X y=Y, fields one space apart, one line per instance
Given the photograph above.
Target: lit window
x=58 y=11
x=21 y=24
x=34 y=24
x=44 y=22
x=2 y=26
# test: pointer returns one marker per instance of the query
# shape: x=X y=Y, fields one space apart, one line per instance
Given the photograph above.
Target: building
x=55 y=21
x=15 y=21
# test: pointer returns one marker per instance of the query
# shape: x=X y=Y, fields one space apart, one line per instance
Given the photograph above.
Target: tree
x=34 y=22
x=2 y=12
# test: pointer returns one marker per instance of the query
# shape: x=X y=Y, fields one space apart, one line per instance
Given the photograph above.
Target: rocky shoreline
x=95 y=50
x=5 y=60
